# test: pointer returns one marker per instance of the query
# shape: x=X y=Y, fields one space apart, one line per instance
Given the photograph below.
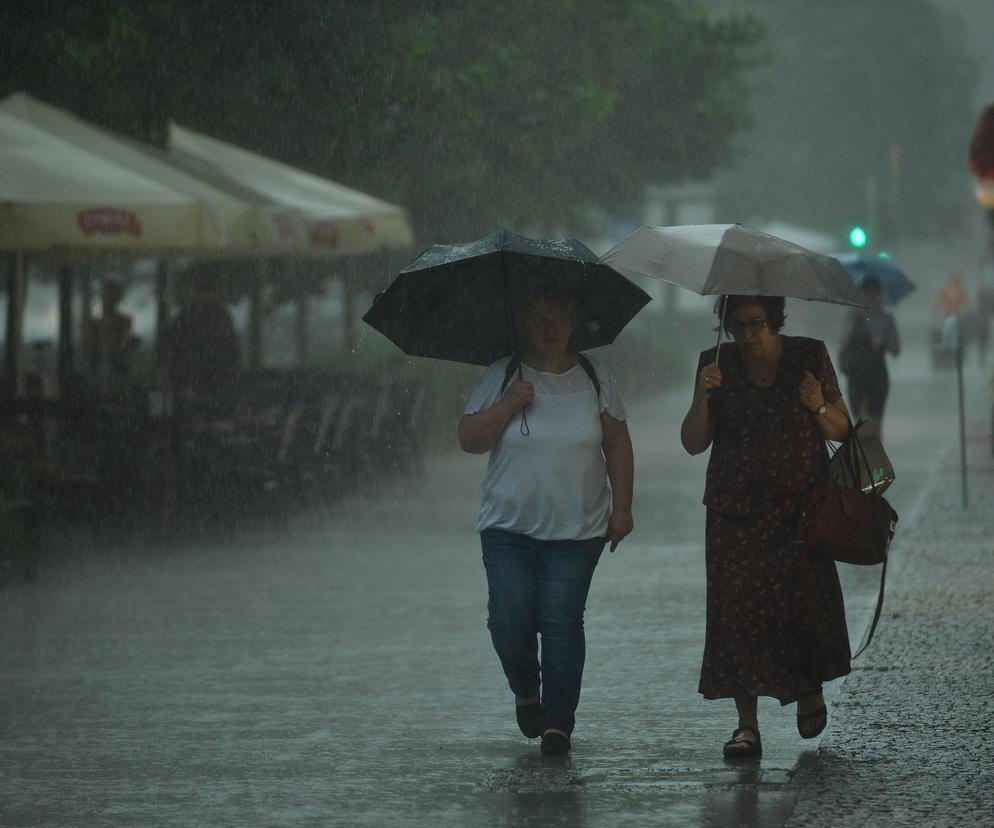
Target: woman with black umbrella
x=558 y=486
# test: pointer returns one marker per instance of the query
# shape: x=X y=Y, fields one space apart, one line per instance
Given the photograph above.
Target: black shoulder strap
x=515 y=361
x=876 y=612
x=512 y=366
x=589 y=368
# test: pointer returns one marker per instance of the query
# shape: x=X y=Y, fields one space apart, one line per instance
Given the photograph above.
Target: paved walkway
x=341 y=674
x=910 y=742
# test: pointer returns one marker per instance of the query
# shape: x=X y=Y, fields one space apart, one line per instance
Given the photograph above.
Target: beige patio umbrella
x=340 y=220
x=64 y=202
x=55 y=195
x=225 y=221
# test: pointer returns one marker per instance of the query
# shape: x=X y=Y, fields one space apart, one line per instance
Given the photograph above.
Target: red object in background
x=982 y=144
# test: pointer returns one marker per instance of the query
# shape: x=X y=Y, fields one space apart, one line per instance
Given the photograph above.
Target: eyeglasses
x=736 y=327
x=549 y=321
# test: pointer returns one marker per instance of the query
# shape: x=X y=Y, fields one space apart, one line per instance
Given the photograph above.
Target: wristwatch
x=821 y=409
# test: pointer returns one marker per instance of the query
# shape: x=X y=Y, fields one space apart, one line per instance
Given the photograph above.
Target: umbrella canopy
x=895 y=285
x=714 y=259
x=55 y=195
x=234 y=221
x=338 y=220
x=456 y=301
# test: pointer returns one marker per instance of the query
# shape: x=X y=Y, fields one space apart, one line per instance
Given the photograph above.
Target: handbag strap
x=854 y=453
x=861 y=453
x=876 y=613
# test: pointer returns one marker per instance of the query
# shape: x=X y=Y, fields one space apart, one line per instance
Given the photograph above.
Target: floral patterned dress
x=775 y=617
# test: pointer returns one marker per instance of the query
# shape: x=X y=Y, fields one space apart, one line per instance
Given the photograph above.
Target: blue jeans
x=539 y=588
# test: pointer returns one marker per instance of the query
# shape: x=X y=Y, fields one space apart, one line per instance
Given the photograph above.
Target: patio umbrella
x=894 y=284
x=716 y=259
x=456 y=301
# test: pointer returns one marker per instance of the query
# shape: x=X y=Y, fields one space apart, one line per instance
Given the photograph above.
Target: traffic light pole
x=872 y=208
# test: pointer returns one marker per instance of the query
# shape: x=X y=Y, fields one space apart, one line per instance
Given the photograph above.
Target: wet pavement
x=342 y=673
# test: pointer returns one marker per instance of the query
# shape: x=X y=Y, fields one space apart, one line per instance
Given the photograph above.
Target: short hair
x=773 y=305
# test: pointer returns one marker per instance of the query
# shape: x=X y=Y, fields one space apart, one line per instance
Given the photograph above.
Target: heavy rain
x=255 y=259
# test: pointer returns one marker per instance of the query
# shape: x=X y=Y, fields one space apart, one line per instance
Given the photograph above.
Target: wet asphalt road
x=342 y=673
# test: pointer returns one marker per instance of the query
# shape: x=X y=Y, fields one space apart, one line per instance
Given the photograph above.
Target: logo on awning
x=108 y=220
x=326 y=234
x=330 y=234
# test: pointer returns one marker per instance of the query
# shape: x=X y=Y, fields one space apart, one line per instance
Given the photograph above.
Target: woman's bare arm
x=480 y=431
x=616 y=443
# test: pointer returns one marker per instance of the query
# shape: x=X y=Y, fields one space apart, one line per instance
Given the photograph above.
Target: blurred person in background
x=201 y=353
x=870 y=334
x=111 y=345
x=952 y=299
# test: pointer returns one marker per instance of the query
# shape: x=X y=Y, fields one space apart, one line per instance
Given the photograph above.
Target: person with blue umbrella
x=894 y=282
x=870 y=334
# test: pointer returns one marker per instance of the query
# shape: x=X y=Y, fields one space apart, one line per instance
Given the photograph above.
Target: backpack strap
x=512 y=365
x=589 y=368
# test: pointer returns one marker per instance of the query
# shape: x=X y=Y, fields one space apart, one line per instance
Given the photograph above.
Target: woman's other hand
x=619 y=526
x=710 y=377
x=811 y=394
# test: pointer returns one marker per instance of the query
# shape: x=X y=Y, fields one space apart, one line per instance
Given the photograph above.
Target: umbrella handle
x=714 y=392
x=523 y=428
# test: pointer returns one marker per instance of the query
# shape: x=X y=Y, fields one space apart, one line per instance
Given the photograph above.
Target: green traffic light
x=857 y=237
x=883 y=254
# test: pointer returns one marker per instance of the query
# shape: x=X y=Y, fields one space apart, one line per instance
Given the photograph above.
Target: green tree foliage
x=857 y=91
x=471 y=115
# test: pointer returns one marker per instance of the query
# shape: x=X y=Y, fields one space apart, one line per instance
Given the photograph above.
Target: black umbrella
x=456 y=301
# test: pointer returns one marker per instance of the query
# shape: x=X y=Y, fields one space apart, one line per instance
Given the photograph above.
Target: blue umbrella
x=893 y=281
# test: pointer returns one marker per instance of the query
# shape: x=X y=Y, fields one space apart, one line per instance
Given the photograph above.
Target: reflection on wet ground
x=342 y=674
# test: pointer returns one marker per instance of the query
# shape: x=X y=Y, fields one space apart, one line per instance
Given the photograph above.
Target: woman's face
x=750 y=328
x=548 y=327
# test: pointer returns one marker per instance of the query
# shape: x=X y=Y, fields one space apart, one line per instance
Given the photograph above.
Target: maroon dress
x=775 y=618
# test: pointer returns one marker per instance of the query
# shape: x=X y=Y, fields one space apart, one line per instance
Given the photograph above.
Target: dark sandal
x=753 y=747
x=820 y=713
x=528 y=721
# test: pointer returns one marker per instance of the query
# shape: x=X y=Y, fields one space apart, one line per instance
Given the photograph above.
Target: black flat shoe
x=528 y=723
x=555 y=743
x=744 y=747
x=804 y=718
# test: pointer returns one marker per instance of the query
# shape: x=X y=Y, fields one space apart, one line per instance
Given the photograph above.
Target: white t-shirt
x=550 y=484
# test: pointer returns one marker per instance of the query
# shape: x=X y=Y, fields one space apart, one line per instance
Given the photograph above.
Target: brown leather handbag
x=846 y=525
x=846 y=519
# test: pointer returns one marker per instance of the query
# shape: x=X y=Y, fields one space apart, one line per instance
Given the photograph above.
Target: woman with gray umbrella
x=764 y=404
x=558 y=487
